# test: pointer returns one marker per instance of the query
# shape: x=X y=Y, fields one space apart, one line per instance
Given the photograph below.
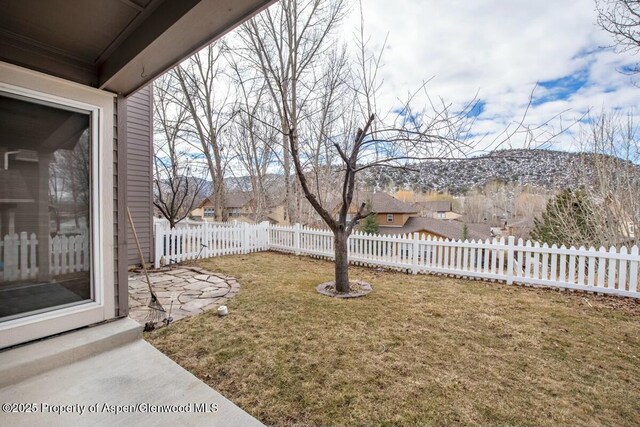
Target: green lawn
x=418 y=350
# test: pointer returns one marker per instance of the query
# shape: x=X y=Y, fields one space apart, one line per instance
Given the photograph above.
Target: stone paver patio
x=192 y=290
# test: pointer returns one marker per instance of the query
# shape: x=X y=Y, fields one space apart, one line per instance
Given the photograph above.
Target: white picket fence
x=609 y=271
x=18 y=255
x=207 y=240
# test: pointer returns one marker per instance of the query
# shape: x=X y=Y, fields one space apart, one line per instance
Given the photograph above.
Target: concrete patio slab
x=28 y=360
x=131 y=384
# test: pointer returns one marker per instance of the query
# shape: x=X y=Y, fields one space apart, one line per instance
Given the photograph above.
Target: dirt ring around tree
x=358 y=288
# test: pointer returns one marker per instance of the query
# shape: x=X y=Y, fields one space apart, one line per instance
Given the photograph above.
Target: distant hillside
x=544 y=168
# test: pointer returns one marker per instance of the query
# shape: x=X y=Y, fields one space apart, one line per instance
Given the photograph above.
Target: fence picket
x=622 y=272
x=562 y=275
x=545 y=263
x=445 y=256
x=611 y=280
x=24 y=271
x=19 y=262
x=633 y=270
x=485 y=261
x=592 y=269
x=536 y=261
x=473 y=257
x=601 y=261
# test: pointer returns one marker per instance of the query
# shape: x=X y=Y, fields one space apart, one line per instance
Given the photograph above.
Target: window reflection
x=45 y=174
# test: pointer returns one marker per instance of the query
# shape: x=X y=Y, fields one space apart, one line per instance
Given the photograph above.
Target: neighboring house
x=628 y=229
x=353 y=209
x=440 y=228
x=440 y=209
x=519 y=228
x=397 y=217
x=240 y=206
x=75 y=124
x=277 y=214
x=391 y=212
x=624 y=218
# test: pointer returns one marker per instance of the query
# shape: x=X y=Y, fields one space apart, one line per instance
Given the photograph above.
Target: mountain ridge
x=549 y=169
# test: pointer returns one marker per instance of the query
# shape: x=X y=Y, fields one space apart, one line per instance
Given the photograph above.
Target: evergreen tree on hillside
x=369 y=223
x=571 y=218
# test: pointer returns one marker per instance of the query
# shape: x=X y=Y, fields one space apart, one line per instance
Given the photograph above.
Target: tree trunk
x=286 y=165
x=220 y=214
x=75 y=211
x=340 y=239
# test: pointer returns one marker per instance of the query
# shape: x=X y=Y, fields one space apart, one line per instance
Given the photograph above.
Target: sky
x=501 y=51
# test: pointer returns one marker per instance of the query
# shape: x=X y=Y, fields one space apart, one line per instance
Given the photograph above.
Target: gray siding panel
x=139 y=174
x=119 y=194
x=116 y=220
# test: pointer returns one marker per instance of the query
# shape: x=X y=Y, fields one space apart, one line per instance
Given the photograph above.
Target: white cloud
x=499 y=49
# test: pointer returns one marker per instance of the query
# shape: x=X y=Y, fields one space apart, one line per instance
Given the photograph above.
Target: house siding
x=398 y=219
x=139 y=149
x=120 y=206
x=117 y=279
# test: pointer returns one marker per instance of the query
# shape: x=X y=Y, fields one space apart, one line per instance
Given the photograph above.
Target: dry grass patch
x=418 y=350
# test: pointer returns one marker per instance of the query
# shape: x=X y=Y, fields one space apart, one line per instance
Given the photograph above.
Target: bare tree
x=611 y=176
x=176 y=184
x=69 y=183
x=197 y=87
x=571 y=218
x=253 y=136
x=529 y=202
x=321 y=106
x=57 y=187
x=285 y=44
x=605 y=209
x=476 y=207
x=621 y=19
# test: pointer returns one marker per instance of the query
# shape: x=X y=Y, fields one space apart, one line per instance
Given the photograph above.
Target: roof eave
x=174 y=31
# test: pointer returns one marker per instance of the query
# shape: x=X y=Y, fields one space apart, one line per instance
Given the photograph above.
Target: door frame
x=100 y=104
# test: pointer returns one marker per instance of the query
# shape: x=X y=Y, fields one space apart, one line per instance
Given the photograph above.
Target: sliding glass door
x=57 y=210
x=45 y=206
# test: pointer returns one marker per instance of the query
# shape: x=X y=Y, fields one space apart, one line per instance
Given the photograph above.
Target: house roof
x=233 y=199
x=449 y=229
x=14 y=188
x=385 y=203
x=381 y=202
x=435 y=206
x=117 y=45
x=56 y=129
x=521 y=223
x=237 y=199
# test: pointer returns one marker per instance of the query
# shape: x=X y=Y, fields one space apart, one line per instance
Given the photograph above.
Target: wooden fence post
x=245 y=238
x=158 y=235
x=24 y=268
x=296 y=238
x=416 y=248
x=204 y=231
x=510 y=256
x=633 y=270
x=265 y=235
x=10 y=256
